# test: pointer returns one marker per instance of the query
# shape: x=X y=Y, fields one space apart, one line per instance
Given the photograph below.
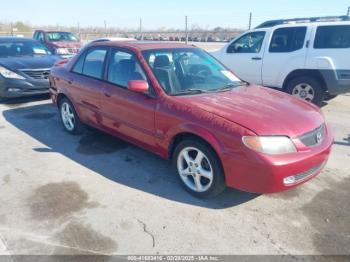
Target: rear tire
x=199 y=169
x=70 y=118
x=306 y=88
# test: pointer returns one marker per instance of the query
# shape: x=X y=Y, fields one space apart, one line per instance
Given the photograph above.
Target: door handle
x=256 y=58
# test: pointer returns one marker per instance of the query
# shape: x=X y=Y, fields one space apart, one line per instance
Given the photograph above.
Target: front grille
x=73 y=50
x=314 y=137
x=37 y=73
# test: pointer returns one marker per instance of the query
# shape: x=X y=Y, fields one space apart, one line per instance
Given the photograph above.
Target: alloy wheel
x=304 y=91
x=195 y=169
x=68 y=117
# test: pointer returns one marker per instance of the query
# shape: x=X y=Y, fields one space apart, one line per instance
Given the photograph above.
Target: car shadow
x=112 y=158
x=15 y=102
x=345 y=142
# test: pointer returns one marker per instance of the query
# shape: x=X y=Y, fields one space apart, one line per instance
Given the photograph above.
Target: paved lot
x=97 y=194
x=63 y=194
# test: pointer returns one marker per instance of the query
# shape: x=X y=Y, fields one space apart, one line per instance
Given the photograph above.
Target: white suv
x=306 y=57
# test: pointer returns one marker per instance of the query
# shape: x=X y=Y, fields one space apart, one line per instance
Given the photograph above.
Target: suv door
x=330 y=51
x=244 y=56
x=85 y=84
x=286 y=52
x=128 y=113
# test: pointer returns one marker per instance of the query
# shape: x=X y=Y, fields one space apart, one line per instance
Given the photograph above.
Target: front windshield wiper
x=190 y=91
x=229 y=86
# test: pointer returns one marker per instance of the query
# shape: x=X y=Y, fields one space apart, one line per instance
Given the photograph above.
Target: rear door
x=244 y=56
x=286 y=52
x=330 y=50
x=128 y=113
x=85 y=85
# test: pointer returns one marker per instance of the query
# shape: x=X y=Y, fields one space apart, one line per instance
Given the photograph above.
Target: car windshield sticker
x=230 y=76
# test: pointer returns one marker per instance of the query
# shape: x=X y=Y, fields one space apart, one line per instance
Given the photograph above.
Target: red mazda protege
x=180 y=103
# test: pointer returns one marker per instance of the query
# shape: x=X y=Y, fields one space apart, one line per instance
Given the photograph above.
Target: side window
x=94 y=61
x=78 y=67
x=249 y=43
x=122 y=67
x=332 y=37
x=289 y=39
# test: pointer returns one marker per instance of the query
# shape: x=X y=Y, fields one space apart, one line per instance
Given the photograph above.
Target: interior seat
x=124 y=71
x=166 y=74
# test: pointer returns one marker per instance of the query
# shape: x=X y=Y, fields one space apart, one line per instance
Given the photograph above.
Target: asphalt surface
x=95 y=194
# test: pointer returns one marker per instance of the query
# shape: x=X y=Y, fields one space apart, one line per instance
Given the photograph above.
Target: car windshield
x=22 y=48
x=61 y=36
x=182 y=71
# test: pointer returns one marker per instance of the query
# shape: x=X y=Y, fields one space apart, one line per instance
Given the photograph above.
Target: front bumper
x=259 y=173
x=13 y=88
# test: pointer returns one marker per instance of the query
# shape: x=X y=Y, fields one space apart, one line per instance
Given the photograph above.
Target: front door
x=125 y=112
x=244 y=56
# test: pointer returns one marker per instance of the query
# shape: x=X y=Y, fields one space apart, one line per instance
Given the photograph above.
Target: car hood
x=29 y=62
x=65 y=44
x=262 y=110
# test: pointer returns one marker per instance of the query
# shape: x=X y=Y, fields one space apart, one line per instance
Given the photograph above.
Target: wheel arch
x=60 y=96
x=314 y=73
x=204 y=136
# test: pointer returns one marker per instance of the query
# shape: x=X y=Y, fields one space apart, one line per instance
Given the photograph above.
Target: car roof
x=51 y=31
x=303 y=23
x=16 y=39
x=142 y=45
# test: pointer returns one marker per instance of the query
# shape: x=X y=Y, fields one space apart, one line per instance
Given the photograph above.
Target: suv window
x=288 y=39
x=249 y=43
x=123 y=67
x=332 y=37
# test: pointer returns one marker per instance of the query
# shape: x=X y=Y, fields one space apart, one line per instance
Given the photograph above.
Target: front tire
x=70 y=118
x=199 y=169
x=306 y=88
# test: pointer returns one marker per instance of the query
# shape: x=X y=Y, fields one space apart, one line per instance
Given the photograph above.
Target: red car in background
x=180 y=103
x=65 y=44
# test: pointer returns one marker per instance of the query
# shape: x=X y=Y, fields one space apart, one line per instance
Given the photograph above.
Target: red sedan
x=180 y=103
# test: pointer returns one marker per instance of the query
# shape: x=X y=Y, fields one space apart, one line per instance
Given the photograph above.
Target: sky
x=157 y=14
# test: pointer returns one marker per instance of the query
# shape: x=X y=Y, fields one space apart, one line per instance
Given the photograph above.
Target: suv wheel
x=69 y=117
x=199 y=169
x=306 y=88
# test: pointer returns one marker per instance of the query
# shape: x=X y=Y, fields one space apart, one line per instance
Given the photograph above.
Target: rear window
x=92 y=64
x=332 y=37
x=288 y=39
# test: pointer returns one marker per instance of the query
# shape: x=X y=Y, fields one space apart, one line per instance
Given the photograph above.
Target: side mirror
x=138 y=86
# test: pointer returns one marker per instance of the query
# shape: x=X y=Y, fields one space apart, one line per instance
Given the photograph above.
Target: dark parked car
x=25 y=65
x=65 y=44
x=180 y=103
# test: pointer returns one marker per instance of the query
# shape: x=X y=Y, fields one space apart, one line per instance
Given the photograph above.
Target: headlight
x=272 y=145
x=9 y=74
x=62 y=51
